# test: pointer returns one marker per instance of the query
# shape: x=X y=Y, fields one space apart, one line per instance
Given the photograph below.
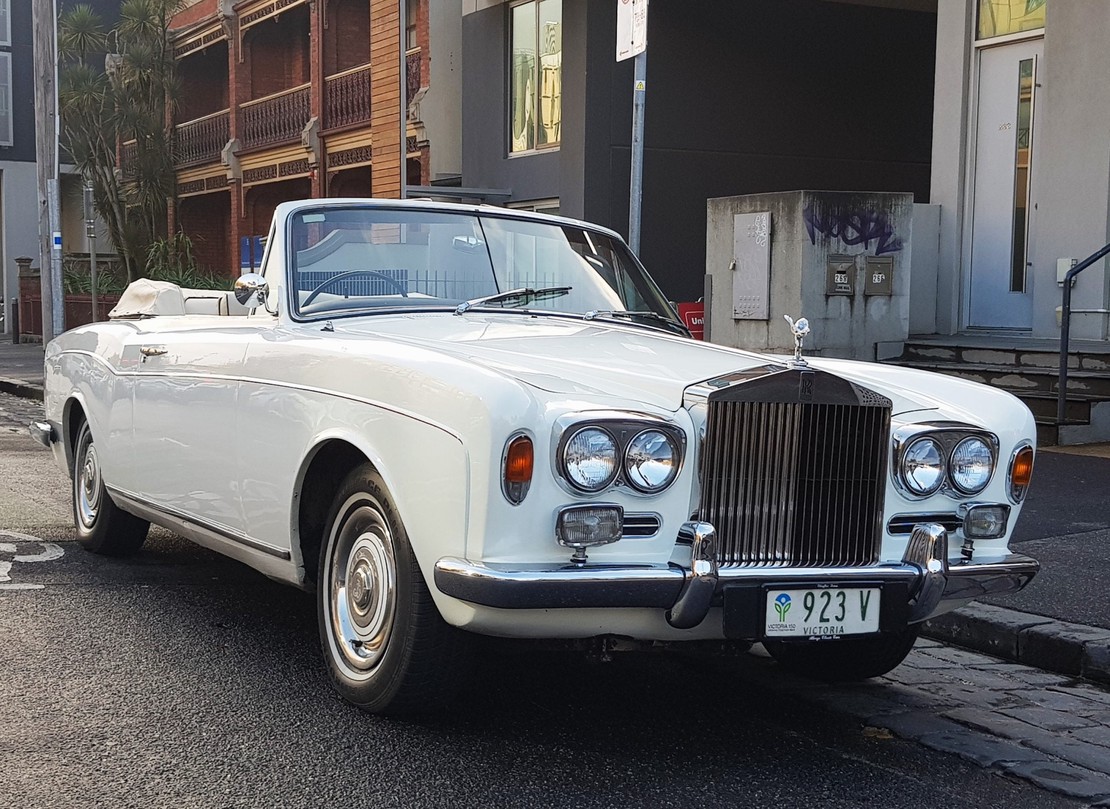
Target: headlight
x=971 y=465
x=922 y=467
x=590 y=459
x=651 y=461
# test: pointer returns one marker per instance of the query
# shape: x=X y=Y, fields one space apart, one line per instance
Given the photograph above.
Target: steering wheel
x=393 y=282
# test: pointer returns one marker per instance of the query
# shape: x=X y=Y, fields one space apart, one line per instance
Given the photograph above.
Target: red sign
x=693 y=315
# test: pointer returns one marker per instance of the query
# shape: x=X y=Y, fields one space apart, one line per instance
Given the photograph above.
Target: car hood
x=610 y=361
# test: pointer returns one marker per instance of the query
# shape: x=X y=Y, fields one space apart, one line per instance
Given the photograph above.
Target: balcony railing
x=275 y=118
x=412 y=74
x=128 y=152
x=347 y=97
x=200 y=140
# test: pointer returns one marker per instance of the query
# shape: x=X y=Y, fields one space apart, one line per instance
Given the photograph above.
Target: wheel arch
x=73 y=413
x=323 y=469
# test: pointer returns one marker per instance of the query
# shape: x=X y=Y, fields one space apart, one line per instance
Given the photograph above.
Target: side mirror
x=250 y=290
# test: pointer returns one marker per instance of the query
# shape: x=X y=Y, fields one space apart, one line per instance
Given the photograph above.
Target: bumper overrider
x=923 y=584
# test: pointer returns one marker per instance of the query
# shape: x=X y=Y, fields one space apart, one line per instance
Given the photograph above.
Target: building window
x=1000 y=17
x=535 y=75
x=412 y=9
x=5 y=22
x=5 y=99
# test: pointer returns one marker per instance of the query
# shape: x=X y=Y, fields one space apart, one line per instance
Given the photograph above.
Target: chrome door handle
x=152 y=351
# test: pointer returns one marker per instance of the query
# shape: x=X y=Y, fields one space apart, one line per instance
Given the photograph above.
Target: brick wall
x=207 y=221
x=262 y=199
x=204 y=87
x=347 y=38
x=278 y=53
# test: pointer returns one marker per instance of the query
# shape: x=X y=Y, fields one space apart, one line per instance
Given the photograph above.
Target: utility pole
x=46 y=152
x=90 y=232
x=632 y=43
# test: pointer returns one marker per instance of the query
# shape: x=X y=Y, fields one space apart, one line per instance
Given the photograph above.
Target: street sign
x=631 y=28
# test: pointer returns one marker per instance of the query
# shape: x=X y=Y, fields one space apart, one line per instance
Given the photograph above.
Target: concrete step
x=1092 y=384
x=1086 y=356
x=1032 y=374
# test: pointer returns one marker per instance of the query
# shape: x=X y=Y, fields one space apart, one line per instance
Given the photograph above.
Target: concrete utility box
x=842 y=260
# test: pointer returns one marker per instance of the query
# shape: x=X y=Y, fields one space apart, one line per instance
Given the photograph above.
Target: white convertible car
x=447 y=420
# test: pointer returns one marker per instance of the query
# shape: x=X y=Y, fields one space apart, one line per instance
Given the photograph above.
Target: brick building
x=288 y=99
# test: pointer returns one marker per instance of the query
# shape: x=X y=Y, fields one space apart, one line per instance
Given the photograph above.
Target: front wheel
x=387 y=648
x=102 y=526
x=844 y=660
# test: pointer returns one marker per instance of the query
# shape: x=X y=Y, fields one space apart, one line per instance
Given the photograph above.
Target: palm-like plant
x=122 y=112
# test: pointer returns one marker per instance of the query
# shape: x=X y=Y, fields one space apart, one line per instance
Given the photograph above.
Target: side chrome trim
x=43 y=432
x=188 y=525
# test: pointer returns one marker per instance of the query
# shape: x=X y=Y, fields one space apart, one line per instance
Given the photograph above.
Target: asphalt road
x=179 y=678
x=1065 y=524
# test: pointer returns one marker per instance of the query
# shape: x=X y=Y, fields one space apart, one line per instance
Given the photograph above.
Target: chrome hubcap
x=362 y=583
x=88 y=488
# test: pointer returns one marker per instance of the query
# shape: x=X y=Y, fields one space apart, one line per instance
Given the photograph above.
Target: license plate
x=825 y=612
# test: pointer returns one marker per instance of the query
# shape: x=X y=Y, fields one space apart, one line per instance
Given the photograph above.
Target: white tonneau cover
x=146 y=298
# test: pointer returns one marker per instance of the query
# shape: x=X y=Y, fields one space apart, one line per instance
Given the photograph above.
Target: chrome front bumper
x=43 y=432
x=931 y=582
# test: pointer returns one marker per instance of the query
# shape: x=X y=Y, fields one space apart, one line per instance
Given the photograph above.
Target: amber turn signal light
x=1021 y=472
x=519 y=460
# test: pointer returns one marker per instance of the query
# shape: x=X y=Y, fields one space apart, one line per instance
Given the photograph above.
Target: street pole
x=636 y=189
x=46 y=146
x=90 y=231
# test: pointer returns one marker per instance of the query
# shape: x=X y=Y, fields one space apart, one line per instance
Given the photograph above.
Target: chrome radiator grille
x=796 y=483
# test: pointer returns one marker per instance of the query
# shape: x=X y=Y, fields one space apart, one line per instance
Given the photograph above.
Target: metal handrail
x=1065 y=329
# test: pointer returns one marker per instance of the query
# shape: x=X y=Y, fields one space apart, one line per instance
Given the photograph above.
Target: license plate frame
x=862 y=605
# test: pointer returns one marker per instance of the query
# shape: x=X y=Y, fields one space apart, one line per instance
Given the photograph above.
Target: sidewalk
x=1060 y=622
x=21 y=369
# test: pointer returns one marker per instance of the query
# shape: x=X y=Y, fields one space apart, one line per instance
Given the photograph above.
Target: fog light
x=582 y=527
x=984 y=521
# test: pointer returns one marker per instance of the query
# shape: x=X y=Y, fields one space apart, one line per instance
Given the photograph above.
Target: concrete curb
x=1035 y=640
x=17 y=387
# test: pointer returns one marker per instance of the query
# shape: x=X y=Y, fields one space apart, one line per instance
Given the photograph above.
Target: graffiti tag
x=853 y=227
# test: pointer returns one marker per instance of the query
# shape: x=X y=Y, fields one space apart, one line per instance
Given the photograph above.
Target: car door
x=185 y=390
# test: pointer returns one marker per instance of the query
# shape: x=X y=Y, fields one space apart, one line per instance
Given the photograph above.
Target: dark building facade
x=743 y=97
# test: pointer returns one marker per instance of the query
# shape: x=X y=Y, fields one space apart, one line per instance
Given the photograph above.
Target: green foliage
x=77 y=280
x=126 y=104
x=172 y=260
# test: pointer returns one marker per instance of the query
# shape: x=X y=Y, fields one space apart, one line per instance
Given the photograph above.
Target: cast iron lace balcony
x=347 y=97
x=275 y=118
x=200 y=140
x=412 y=73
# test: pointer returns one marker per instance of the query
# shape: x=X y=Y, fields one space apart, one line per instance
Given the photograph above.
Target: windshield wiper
x=601 y=314
x=518 y=296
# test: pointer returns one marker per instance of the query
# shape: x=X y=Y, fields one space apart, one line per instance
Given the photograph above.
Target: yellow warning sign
x=640 y=86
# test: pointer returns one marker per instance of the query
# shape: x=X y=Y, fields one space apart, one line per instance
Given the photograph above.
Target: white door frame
x=971 y=134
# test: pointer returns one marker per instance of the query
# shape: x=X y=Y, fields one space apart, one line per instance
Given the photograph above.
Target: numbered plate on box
x=823 y=612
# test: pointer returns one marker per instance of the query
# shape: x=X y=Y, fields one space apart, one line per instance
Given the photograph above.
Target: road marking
x=49 y=553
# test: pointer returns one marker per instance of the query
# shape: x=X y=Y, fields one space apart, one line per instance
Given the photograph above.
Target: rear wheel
x=102 y=526
x=386 y=646
x=844 y=660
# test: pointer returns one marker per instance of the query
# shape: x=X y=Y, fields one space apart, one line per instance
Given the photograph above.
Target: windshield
x=364 y=259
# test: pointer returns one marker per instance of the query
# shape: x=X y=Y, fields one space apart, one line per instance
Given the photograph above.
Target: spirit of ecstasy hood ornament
x=799 y=328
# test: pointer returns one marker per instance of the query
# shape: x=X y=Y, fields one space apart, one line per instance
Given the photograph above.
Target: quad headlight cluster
x=958 y=462
x=592 y=456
